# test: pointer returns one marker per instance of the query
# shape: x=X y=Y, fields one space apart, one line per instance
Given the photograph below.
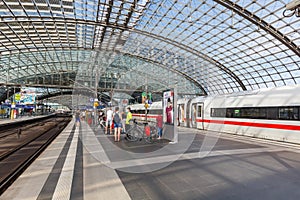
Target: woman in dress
x=169 y=112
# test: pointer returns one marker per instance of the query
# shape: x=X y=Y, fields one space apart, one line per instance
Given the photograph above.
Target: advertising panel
x=28 y=96
x=168 y=105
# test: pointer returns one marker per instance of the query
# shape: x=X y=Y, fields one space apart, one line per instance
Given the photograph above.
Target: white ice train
x=267 y=113
x=138 y=111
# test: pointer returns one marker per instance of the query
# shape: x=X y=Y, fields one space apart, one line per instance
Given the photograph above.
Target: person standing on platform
x=101 y=119
x=83 y=115
x=117 y=124
x=127 y=123
x=159 y=124
x=123 y=122
x=109 y=117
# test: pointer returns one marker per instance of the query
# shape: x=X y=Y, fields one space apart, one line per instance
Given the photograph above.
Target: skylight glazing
x=215 y=46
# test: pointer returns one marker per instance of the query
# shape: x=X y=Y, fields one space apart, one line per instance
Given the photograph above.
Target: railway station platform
x=83 y=163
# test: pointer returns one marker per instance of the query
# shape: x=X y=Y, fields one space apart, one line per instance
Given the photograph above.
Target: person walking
x=77 y=118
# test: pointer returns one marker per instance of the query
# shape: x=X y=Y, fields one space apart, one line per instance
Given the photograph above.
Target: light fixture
x=293 y=7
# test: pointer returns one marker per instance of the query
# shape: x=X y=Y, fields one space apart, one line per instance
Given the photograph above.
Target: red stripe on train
x=249 y=124
x=253 y=124
x=143 y=115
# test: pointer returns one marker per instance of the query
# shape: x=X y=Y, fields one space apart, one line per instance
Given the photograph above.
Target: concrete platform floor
x=203 y=165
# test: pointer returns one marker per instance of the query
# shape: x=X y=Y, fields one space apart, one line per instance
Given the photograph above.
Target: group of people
x=120 y=121
x=87 y=116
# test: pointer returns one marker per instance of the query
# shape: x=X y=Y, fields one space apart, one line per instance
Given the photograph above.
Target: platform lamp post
x=111 y=91
x=8 y=114
x=117 y=85
x=13 y=105
x=146 y=103
x=96 y=97
x=111 y=87
x=7 y=95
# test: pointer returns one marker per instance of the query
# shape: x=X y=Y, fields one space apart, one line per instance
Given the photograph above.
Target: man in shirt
x=127 y=123
x=109 y=117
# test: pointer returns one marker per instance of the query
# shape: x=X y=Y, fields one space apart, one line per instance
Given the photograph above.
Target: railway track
x=17 y=129
x=17 y=153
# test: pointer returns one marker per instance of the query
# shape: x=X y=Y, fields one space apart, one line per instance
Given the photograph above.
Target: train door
x=181 y=115
x=178 y=114
x=199 y=117
x=194 y=115
x=188 y=114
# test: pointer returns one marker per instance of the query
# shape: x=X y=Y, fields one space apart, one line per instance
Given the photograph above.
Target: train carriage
x=266 y=113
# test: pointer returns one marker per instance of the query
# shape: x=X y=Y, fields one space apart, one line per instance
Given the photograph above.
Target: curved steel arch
x=173 y=70
x=261 y=23
x=139 y=57
x=49 y=95
x=61 y=93
x=169 y=41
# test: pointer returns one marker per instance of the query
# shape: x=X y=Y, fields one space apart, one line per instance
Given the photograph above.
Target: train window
x=254 y=113
x=296 y=113
x=199 y=111
x=155 y=112
x=261 y=113
x=229 y=112
x=272 y=113
x=237 y=113
x=246 y=112
x=291 y=113
x=218 y=112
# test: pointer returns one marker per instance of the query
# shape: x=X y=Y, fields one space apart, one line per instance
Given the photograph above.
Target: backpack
x=117 y=119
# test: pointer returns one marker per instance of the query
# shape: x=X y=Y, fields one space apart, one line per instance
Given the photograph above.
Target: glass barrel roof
x=200 y=46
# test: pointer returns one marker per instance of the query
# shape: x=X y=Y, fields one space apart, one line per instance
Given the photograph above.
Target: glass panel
x=289 y=113
x=205 y=43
